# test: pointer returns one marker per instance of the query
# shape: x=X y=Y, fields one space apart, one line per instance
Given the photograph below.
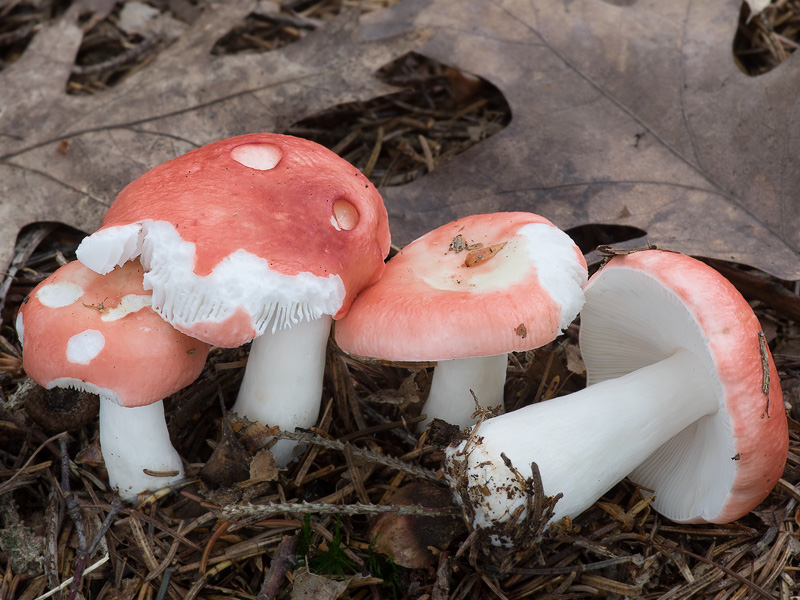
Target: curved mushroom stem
x=282 y=383
x=135 y=439
x=450 y=398
x=583 y=443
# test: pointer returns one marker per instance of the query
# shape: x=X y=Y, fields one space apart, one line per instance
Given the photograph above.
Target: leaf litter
x=182 y=544
x=626 y=113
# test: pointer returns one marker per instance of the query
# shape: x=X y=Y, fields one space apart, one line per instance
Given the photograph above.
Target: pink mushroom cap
x=98 y=333
x=251 y=232
x=724 y=465
x=429 y=305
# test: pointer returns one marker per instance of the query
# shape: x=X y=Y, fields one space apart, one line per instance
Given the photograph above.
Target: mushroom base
x=583 y=443
x=454 y=382
x=136 y=448
x=282 y=383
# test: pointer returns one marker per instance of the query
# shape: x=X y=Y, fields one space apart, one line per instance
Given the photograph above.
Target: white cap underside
x=83 y=386
x=242 y=280
x=693 y=472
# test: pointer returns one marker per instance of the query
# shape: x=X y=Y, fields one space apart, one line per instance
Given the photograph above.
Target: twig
x=117 y=61
x=441 y=589
x=53 y=526
x=4 y=487
x=259 y=511
x=73 y=509
x=381 y=418
x=553 y=571
x=25 y=248
x=17 y=34
x=164 y=566
x=388 y=426
x=741 y=578
x=282 y=562
x=85 y=548
x=162 y=589
x=386 y=461
x=222 y=528
x=67 y=582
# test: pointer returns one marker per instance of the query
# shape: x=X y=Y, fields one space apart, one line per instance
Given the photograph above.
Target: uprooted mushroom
x=682 y=397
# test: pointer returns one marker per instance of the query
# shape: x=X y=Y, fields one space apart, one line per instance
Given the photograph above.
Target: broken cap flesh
x=97 y=333
x=465 y=295
x=260 y=236
x=683 y=397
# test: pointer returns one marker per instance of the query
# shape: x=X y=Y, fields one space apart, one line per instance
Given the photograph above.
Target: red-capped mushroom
x=259 y=236
x=98 y=334
x=465 y=295
x=683 y=398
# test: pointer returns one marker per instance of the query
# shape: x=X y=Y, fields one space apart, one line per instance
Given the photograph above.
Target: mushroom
x=98 y=334
x=682 y=396
x=259 y=236
x=465 y=295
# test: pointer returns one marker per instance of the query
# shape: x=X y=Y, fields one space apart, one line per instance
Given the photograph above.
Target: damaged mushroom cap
x=245 y=235
x=480 y=286
x=726 y=463
x=263 y=237
x=98 y=334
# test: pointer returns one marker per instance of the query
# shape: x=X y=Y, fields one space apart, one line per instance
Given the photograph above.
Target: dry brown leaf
x=308 y=586
x=64 y=158
x=634 y=115
x=415 y=541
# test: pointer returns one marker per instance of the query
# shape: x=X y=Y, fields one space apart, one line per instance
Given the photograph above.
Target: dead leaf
x=575 y=362
x=262 y=467
x=308 y=586
x=635 y=115
x=409 y=539
x=64 y=158
x=230 y=461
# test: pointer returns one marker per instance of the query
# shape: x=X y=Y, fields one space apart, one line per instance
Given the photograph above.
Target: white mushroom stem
x=450 y=398
x=282 y=383
x=583 y=443
x=134 y=440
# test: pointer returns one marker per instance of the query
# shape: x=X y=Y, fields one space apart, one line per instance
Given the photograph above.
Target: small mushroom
x=682 y=397
x=98 y=334
x=259 y=237
x=465 y=295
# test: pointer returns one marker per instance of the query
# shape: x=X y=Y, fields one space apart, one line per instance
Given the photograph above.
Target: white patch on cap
x=20 y=328
x=107 y=248
x=128 y=305
x=273 y=300
x=57 y=295
x=557 y=265
x=257 y=156
x=83 y=347
x=536 y=248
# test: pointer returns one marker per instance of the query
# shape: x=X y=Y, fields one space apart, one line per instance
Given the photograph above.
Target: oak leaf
x=63 y=158
x=632 y=115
